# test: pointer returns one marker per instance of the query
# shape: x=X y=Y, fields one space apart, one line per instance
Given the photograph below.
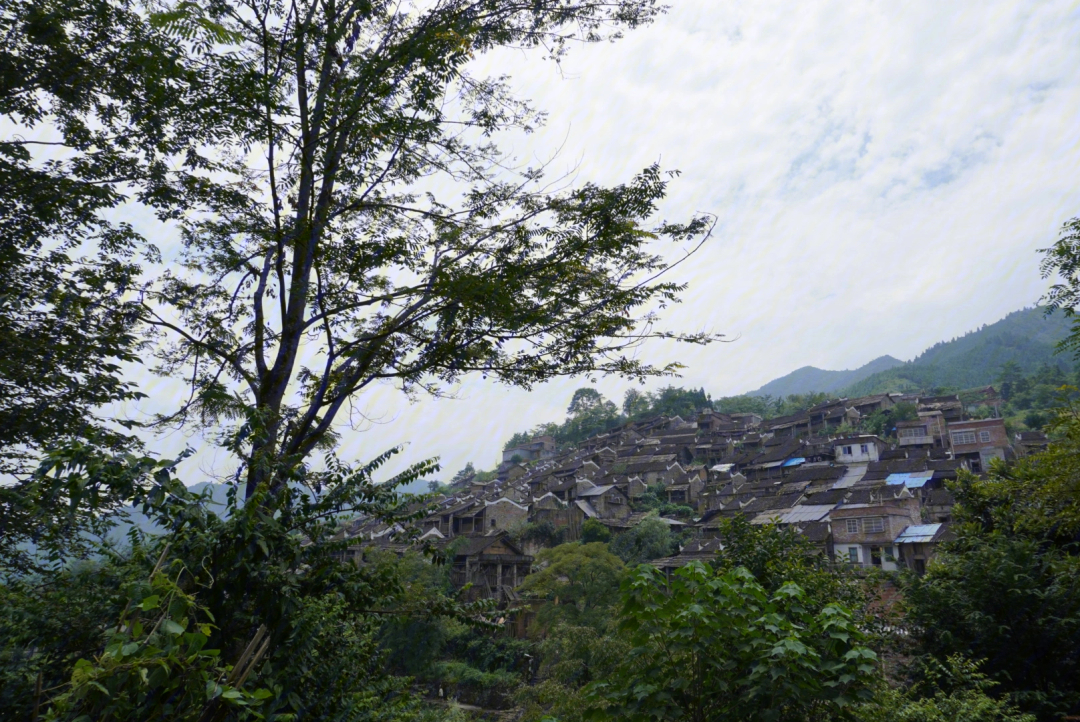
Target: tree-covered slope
x=810 y=379
x=1027 y=337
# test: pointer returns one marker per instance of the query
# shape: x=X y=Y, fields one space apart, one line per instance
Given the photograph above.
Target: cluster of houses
x=858 y=498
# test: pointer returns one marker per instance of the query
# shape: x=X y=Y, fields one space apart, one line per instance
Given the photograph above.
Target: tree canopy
x=714 y=645
x=326 y=262
x=581 y=581
x=297 y=149
x=1006 y=590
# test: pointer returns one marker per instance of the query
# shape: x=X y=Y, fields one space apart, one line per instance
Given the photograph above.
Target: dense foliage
x=953 y=690
x=257 y=597
x=580 y=581
x=95 y=101
x=714 y=645
x=1007 y=590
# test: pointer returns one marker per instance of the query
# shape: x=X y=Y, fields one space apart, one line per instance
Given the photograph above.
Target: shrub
x=594 y=531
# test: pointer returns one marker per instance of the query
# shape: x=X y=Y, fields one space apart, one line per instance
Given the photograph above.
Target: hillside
x=810 y=379
x=1027 y=337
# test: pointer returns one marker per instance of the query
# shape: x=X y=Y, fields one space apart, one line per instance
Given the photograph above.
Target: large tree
x=361 y=226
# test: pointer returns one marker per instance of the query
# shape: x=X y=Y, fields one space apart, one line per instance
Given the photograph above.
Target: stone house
x=542 y=447
x=951 y=408
x=867 y=405
x=503 y=513
x=789 y=426
x=567 y=517
x=446 y=520
x=510 y=471
x=864 y=534
x=567 y=490
x=610 y=502
x=1031 y=442
x=927 y=431
x=858 y=449
x=979 y=441
x=710 y=420
x=748 y=420
x=831 y=415
x=986 y=396
x=937 y=505
x=688 y=492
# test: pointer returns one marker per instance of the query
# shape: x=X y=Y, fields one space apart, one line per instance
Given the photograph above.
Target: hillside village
x=860 y=498
x=276 y=274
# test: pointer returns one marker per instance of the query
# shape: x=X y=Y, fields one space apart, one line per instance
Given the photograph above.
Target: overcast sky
x=882 y=172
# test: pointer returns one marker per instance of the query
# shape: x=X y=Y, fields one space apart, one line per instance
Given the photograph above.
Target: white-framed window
x=846 y=450
x=874 y=525
x=853 y=555
x=963 y=437
x=984 y=437
x=863 y=449
x=852 y=526
x=913 y=432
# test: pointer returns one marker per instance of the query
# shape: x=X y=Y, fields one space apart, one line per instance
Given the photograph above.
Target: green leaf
x=171 y=627
x=150 y=602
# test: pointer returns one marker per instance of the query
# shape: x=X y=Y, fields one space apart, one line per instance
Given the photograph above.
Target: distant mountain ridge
x=1028 y=337
x=811 y=378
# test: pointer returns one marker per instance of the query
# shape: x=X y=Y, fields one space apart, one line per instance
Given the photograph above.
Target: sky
x=882 y=176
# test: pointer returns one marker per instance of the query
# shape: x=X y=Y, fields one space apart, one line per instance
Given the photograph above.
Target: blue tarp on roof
x=912 y=480
x=794 y=462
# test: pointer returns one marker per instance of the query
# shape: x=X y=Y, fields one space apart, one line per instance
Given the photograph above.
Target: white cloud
x=882 y=172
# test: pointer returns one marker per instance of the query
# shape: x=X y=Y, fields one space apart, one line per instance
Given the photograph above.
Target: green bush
x=544 y=533
x=952 y=691
x=650 y=539
x=465 y=683
x=594 y=531
x=715 y=645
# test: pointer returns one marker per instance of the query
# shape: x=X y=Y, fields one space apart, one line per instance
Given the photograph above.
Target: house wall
x=916 y=556
x=989 y=433
x=612 y=505
x=470 y=522
x=925 y=435
x=889 y=555
x=569 y=519
x=857 y=455
x=895 y=518
x=503 y=514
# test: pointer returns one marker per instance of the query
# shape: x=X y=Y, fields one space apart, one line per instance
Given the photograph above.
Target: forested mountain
x=810 y=378
x=1027 y=337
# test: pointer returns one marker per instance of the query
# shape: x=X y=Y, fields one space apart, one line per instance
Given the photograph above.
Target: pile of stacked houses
x=859 y=499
